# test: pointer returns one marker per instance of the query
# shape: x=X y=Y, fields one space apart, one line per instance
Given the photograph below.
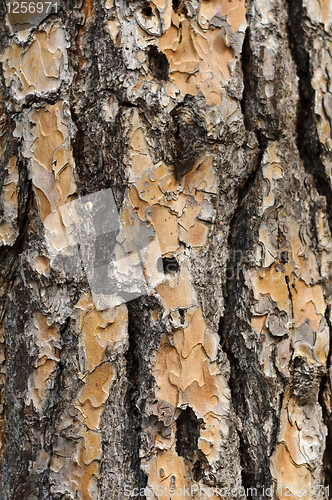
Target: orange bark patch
x=271 y=282
x=167 y=362
x=166 y=227
x=37 y=68
x=96 y=387
x=181 y=294
x=9 y=195
x=235 y=11
x=308 y=303
x=198 y=59
x=169 y=471
x=42 y=377
x=258 y=322
x=42 y=265
x=289 y=476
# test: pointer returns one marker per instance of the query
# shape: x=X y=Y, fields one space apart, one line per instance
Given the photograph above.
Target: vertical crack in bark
x=9 y=265
x=289 y=294
x=307 y=139
x=245 y=384
x=248 y=81
x=133 y=394
x=325 y=400
x=311 y=149
x=9 y=254
x=255 y=468
x=48 y=425
x=67 y=336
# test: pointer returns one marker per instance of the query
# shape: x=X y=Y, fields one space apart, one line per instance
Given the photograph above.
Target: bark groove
x=166 y=251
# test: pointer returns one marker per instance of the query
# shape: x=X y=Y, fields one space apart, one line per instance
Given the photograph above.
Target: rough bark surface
x=166 y=251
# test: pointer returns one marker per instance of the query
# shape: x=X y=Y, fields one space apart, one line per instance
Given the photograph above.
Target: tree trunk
x=166 y=251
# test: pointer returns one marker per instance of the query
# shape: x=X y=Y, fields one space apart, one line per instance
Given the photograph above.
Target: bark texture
x=166 y=251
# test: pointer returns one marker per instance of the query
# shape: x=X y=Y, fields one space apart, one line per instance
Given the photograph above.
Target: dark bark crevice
x=9 y=254
x=311 y=151
x=308 y=143
x=246 y=383
x=19 y=432
x=248 y=96
x=325 y=400
x=145 y=421
x=133 y=368
x=249 y=396
x=10 y=147
x=243 y=377
x=249 y=391
x=158 y=63
x=9 y=258
x=247 y=61
x=98 y=144
x=187 y=433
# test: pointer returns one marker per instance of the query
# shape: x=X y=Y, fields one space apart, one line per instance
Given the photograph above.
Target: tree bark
x=165 y=250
